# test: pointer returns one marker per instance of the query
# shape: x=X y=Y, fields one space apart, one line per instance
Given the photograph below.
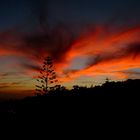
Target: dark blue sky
x=16 y=12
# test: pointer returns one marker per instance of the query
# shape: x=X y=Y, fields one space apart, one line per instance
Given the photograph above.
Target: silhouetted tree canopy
x=41 y=104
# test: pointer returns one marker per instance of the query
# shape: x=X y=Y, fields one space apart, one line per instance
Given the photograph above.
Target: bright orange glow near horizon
x=87 y=60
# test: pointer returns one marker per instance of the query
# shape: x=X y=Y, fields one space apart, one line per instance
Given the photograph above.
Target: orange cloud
x=108 y=53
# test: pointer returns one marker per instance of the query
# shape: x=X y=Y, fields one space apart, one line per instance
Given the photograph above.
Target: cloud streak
x=9 y=85
x=64 y=43
x=63 y=46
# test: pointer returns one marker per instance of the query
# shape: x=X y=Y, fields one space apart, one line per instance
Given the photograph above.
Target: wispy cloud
x=108 y=50
x=64 y=47
x=9 y=85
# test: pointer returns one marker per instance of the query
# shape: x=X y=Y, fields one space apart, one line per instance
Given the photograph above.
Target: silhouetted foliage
x=41 y=104
x=46 y=78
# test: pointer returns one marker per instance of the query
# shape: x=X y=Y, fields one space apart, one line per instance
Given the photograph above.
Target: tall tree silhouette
x=47 y=77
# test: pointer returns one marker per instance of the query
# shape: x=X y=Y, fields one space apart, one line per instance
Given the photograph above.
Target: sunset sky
x=89 y=41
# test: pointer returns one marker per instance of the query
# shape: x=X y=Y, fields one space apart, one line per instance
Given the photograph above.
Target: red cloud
x=108 y=52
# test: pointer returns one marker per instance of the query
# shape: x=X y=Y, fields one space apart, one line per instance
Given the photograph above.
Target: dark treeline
x=43 y=103
x=108 y=89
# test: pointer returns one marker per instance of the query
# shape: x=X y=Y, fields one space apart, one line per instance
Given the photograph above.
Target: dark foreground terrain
x=60 y=99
